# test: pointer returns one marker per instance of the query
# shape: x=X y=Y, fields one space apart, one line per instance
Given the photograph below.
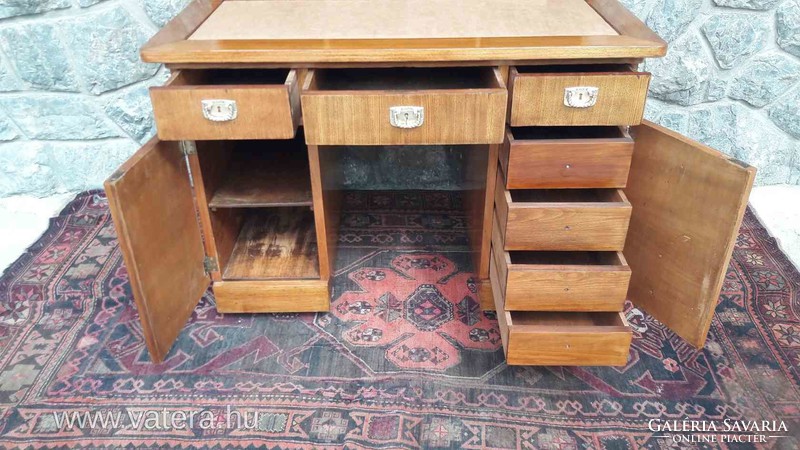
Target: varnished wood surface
x=538 y=98
x=265 y=174
x=326 y=187
x=567 y=157
x=479 y=170
x=561 y=338
x=273 y=296
x=567 y=219
x=275 y=243
x=334 y=114
x=561 y=281
x=389 y=19
x=688 y=202
x=160 y=240
x=485 y=294
x=265 y=111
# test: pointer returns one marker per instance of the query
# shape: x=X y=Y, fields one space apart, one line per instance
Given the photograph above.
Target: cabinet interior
x=222 y=77
x=554 y=132
x=551 y=258
x=566 y=195
x=406 y=78
x=574 y=68
x=567 y=319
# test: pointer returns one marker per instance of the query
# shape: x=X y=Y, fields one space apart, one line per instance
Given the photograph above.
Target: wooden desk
x=578 y=205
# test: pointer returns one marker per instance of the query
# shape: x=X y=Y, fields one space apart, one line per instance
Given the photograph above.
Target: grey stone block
x=764 y=78
x=670 y=18
x=106 y=48
x=748 y=4
x=676 y=120
x=88 y=3
x=12 y=8
x=161 y=11
x=133 y=112
x=734 y=37
x=24 y=170
x=714 y=125
x=57 y=117
x=78 y=166
x=38 y=57
x=788 y=26
x=637 y=7
x=8 y=81
x=786 y=114
x=683 y=76
x=7 y=130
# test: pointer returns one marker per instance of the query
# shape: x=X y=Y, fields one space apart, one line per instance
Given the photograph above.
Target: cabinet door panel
x=688 y=201
x=154 y=213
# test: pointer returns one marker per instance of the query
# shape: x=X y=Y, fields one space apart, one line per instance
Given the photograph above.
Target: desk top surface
x=394 y=19
x=318 y=32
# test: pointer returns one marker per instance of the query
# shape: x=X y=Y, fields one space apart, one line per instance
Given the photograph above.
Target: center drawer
x=409 y=106
x=560 y=281
x=220 y=104
x=561 y=338
x=561 y=219
x=590 y=94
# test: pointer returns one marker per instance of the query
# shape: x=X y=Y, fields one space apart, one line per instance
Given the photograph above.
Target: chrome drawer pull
x=406 y=116
x=219 y=110
x=580 y=96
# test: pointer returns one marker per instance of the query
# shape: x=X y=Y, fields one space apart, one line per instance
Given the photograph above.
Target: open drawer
x=562 y=219
x=590 y=94
x=227 y=104
x=413 y=106
x=566 y=157
x=560 y=281
x=562 y=338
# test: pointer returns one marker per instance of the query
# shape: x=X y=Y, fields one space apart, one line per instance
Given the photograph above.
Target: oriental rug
x=405 y=359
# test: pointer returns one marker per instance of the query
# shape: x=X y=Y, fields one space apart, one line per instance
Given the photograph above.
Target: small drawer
x=562 y=219
x=404 y=106
x=227 y=104
x=604 y=94
x=562 y=338
x=566 y=157
x=560 y=281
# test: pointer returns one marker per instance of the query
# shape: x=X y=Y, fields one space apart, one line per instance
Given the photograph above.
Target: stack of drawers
x=558 y=275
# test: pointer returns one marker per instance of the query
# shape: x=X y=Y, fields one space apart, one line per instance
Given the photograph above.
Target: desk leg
x=326 y=193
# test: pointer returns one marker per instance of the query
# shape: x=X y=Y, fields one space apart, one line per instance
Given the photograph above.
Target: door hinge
x=210 y=264
x=188 y=147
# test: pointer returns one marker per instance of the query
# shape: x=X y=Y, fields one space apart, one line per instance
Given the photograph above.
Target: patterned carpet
x=404 y=360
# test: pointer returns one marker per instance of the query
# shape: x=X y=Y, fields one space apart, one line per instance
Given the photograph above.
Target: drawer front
x=585 y=226
x=566 y=163
x=540 y=98
x=556 y=339
x=364 y=117
x=262 y=111
x=267 y=296
x=529 y=282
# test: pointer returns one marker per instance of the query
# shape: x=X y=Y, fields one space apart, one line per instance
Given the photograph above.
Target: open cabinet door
x=154 y=213
x=688 y=201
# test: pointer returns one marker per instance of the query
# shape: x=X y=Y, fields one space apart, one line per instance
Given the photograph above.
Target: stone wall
x=74 y=104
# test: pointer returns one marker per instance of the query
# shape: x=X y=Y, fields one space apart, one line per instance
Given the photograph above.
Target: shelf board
x=260 y=178
x=276 y=243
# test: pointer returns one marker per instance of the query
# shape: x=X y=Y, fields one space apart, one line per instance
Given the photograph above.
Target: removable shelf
x=275 y=243
x=259 y=178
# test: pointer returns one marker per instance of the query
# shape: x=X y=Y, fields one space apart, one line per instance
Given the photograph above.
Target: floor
x=23 y=219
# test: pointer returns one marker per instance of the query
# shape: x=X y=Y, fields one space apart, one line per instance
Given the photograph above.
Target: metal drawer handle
x=217 y=110
x=580 y=96
x=406 y=116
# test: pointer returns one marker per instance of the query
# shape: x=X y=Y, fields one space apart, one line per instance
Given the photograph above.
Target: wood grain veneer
x=561 y=338
x=160 y=240
x=272 y=296
x=538 y=96
x=565 y=219
x=566 y=157
x=265 y=111
x=688 y=202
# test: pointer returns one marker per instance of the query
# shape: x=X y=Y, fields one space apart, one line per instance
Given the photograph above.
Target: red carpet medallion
x=405 y=359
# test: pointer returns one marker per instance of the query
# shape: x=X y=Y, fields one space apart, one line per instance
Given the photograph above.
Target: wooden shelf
x=277 y=243
x=260 y=177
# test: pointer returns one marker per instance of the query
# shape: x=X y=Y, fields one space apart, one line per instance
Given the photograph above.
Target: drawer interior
x=405 y=79
x=574 y=68
x=553 y=258
x=569 y=321
x=222 y=77
x=567 y=196
x=540 y=133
